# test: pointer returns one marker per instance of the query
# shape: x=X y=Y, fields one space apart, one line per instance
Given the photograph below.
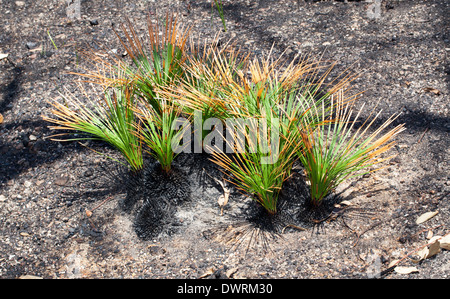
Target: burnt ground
x=401 y=49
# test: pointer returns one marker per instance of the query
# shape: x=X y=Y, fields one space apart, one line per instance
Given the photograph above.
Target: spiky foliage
x=159 y=65
x=259 y=173
x=335 y=151
x=159 y=131
x=261 y=165
x=155 y=65
x=208 y=71
x=111 y=119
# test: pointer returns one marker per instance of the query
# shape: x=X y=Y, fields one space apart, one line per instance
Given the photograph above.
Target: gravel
x=401 y=49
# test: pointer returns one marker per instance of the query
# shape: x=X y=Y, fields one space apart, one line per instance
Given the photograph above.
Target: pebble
x=31 y=45
x=89 y=172
x=62 y=181
x=2 y=198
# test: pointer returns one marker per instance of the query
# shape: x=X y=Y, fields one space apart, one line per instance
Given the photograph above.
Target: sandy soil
x=401 y=49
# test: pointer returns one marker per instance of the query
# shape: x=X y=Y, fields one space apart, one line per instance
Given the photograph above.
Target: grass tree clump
x=268 y=108
x=111 y=119
x=155 y=65
x=263 y=156
x=202 y=91
x=158 y=130
x=335 y=151
x=269 y=113
x=158 y=65
x=135 y=119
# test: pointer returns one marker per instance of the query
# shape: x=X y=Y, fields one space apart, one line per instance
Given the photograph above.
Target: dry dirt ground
x=401 y=49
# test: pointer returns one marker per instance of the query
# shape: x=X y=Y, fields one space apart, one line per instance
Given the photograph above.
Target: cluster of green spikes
x=171 y=76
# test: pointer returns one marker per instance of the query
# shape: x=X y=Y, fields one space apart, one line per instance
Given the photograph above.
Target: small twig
x=89 y=212
x=423 y=134
x=293 y=226
x=12 y=62
x=332 y=216
x=226 y=193
x=92 y=224
x=360 y=234
x=217 y=180
x=427 y=229
x=384 y=272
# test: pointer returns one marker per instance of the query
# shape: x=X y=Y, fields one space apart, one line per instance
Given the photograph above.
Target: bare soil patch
x=402 y=50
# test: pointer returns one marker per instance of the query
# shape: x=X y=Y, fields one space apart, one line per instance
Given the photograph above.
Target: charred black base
x=153 y=196
x=152 y=218
x=257 y=227
x=300 y=207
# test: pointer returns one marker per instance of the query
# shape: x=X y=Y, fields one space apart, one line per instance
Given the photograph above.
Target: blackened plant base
x=300 y=208
x=154 y=217
x=255 y=228
x=133 y=184
x=153 y=196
